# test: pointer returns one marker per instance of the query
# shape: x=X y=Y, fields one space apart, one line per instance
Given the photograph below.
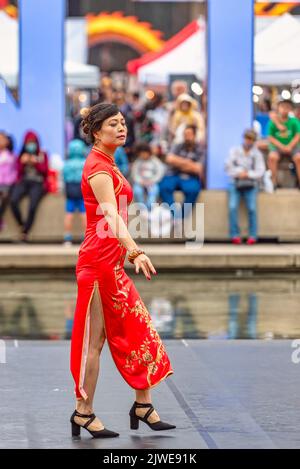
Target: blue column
x=230 y=81
x=41 y=76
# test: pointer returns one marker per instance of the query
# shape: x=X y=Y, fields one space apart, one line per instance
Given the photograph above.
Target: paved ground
x=284 y=257
x=233 y=394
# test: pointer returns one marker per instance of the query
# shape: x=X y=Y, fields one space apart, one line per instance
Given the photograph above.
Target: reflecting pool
x=182 y=305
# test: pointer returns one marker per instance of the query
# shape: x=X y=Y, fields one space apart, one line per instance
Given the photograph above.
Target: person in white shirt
x=245 y=166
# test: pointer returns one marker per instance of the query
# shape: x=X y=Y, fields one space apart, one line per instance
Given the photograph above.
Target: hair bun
x=85 y=129
x=84 y=112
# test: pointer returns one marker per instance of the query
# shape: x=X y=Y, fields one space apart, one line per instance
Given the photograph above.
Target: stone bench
x=278 y=217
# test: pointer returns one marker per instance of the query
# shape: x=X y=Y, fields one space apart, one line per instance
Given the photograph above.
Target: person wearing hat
x=284 y=137
x=245 y=166
x=186 y=113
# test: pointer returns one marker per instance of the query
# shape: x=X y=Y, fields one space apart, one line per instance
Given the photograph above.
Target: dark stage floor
x=223 y=394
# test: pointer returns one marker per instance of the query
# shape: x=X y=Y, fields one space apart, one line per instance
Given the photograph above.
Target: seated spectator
x=284 y=136
x=246 y=167
x=31 y=181
x=186 y=113
x=121 y=160
x=147 y=170
x=8 y=173
x=184 y=172
x=72 y=174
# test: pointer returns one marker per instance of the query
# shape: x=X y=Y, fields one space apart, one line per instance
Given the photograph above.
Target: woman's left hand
x=143 y=262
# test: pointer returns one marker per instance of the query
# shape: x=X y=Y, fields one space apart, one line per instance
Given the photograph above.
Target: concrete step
x=278 y=217
x=212 y=257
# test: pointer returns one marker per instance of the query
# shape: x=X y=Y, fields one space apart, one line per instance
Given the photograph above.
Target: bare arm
x=274 y=117
x=102 y=186
x=277 y=144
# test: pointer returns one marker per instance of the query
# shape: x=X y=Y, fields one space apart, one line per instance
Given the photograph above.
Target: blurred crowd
x=165 y=152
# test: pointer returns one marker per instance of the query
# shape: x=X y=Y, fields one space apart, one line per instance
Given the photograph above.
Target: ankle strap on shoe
x=78 y=414
x=139 y=404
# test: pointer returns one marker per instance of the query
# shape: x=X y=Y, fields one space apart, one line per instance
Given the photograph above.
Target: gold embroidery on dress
x=143 y=355
x=121 y=290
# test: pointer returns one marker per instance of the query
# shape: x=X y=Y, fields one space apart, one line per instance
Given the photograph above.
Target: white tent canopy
x=9 y=49
x=277 y=57
x=189 y=57
x=79 y=75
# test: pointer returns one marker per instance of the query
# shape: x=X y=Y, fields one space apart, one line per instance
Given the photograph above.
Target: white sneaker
x=67 y=244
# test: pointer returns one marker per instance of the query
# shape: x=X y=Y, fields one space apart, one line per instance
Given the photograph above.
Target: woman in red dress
x=108 y=304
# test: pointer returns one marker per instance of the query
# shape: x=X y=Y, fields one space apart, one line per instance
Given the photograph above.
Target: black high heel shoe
x=134 y=418
x=104 y=433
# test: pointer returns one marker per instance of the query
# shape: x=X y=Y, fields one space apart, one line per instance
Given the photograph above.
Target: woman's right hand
x=143 y=262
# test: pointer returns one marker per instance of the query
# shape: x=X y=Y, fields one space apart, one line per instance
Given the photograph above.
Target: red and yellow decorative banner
x=125 y=29
x=274 y=9
x=11 y=10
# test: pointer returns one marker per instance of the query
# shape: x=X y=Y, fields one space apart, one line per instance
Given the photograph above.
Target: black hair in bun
x=93 y=118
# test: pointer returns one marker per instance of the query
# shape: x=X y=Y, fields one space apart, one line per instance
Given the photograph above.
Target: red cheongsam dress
x=134 y=343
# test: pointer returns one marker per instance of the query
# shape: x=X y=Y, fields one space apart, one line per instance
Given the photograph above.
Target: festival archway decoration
x=127 y=30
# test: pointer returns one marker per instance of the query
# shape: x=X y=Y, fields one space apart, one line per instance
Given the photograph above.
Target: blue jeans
x=190 y=187
x=234 y=198
x=148 y=196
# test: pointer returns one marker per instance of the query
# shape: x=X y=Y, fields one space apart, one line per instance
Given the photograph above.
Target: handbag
x=243 y=184
x=247 y=183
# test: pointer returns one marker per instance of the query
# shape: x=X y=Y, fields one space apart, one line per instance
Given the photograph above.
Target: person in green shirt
x=284 y=137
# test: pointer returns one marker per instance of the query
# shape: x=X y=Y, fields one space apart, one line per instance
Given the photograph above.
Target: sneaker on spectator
x=236 y=240
x=251 y=241
x=24 y=238
x=67 y=244
x=68 y=240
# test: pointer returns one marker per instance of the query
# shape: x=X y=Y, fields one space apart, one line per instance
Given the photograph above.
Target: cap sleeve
x=98 y=167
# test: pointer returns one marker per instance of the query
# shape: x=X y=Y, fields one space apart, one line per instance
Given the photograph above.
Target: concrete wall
x=278 y=217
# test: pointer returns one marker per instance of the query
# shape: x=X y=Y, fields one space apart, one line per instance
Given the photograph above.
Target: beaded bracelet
x=133 y=254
